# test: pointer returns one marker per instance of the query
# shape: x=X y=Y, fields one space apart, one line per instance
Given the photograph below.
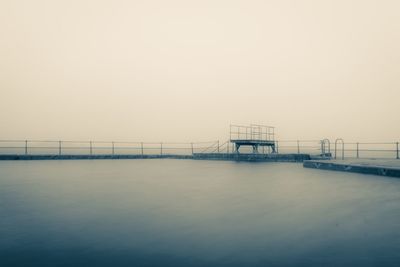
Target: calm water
x=194 y=213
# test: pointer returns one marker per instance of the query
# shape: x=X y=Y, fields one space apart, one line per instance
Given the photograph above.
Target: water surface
x=194 y=213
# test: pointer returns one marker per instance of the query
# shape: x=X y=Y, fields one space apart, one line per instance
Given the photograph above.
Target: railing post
x=397 y=150
x=141 y=147
x=26 y=147
x=218 y=146
x=59 y=148
x=227 y=147
x=335 y=149
x=112 y=148
x=161 y=148
x=298 y=147
x=191 y=145
x=343 y=151
x=329 y=145
x=91 y=148
x=358 y=155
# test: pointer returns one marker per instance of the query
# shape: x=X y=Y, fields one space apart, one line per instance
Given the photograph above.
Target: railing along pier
x=342 y=149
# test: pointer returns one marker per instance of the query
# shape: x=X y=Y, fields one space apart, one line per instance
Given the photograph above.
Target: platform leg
x=255 y=149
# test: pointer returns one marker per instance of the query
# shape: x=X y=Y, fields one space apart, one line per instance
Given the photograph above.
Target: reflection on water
x=194 y=213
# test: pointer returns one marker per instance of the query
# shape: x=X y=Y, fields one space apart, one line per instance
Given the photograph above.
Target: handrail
x=219 y=147
x=323 y=145
x=336 y=142
x=213 y=144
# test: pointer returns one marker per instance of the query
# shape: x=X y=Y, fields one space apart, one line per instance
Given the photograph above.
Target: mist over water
x=194 y=213
x=182 y=71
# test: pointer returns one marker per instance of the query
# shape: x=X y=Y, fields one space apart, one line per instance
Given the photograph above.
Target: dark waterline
x=194 y=213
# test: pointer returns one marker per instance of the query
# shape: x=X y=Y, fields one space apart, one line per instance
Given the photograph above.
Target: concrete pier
x=365 y=166
x=196 y=156
x=253 y=157
x=83 y=157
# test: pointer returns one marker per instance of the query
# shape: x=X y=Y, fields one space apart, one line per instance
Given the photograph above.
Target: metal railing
x=68 y=147
x=341 y=149
x=337 y=142
x=312 y=147
x=251 y=132
x=338 y=149
x=360 y=150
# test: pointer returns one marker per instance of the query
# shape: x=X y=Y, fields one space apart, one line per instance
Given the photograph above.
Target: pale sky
x=184 y=70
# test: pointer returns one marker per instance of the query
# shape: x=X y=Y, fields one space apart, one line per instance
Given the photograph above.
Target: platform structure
x=253 y=135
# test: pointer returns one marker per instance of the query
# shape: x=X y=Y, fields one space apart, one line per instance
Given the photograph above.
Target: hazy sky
x=184 y=70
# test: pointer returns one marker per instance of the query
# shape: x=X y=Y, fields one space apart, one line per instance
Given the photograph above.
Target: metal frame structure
x=254 y=135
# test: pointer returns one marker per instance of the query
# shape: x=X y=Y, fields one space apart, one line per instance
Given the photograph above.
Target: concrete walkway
x=196 y=156
x=384 y=167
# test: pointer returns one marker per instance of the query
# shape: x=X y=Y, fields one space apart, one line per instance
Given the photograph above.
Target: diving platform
x=253 y=135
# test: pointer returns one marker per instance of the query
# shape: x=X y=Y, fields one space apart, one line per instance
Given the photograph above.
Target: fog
x=184 y=70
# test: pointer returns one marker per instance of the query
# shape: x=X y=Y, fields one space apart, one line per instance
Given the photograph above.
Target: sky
x=185 y=70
